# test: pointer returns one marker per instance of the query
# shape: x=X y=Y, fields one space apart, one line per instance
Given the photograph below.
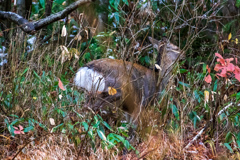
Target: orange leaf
x=208 y=79
x=209 y=70
x=112 y=91
x=60 y=85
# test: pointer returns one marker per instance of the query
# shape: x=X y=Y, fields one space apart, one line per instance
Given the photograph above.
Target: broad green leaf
x=126 y=2
x=174 y=111
x=85 y=125
x=27 y=129
x=183 y=70
x=228 y=137
x=238 y=142
x=238 y=96
x=237 y=3
x=42 y=2
x=107 y=125
x=116 y=16
x=101 y=135
x=228 y=147
x=126 y=144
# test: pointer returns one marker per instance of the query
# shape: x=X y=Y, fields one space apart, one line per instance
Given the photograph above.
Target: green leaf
x=55 y=128
x=107 y=125
x=27 y=129
x=215 y=86
x=237 y=3
x=228 y=137
x=24 y=71
x=85 y=125
x=238 y=142
x=204 y=68
x=227 y=27
x=87 y=56
x=90 y=133
x=184 y=84
x=126 y=2
x=197 y=96
x=174 y=111
x=126 y=144
x=228 y=147
x=36 y=75
x=42 y=2
x=101 y=135
x=147 y=59
x=183 y=70
x=238 y=96
x=116 y=16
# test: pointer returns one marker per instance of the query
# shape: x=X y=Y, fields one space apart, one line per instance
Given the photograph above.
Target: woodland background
x=197 y=116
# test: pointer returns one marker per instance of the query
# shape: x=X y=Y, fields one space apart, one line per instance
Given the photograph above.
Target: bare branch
x=32 y=27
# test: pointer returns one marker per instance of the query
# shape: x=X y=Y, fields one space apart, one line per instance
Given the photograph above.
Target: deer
x=136 y=86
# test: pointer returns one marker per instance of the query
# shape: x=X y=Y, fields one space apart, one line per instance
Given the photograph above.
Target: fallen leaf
x=60 y=85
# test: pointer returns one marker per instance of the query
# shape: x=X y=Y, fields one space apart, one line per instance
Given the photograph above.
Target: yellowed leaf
x=236 y=41
x=206 y=97
x=112 y=91
x=229 y=36
x=222 y=47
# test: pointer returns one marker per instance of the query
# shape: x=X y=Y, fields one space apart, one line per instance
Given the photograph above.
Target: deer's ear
x=156 y=44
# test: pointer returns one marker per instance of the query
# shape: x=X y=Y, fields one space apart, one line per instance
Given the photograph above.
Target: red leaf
x=237 y=76
x=230 y=67
x=217 y=67
x=60 y=85
x=218 y=55
x=228 y=60
x=208 y=79
x=221 y=61
x=237 y=73
x=20 y=127
x=223 y=73
x=18 y=131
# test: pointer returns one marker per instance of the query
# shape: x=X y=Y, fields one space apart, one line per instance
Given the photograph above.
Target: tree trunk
x=5 y=25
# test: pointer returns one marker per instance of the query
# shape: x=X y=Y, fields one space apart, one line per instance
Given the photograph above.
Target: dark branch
x=32 y=27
